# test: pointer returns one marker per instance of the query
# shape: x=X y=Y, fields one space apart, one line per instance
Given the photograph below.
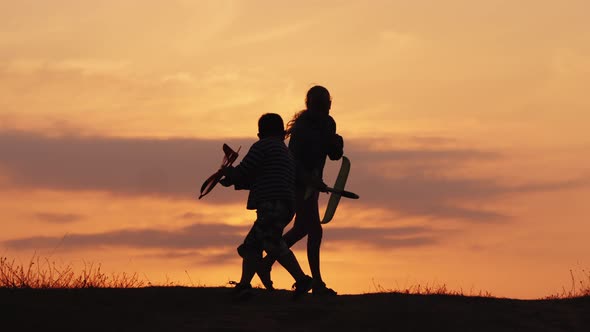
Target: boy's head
x=271 y=124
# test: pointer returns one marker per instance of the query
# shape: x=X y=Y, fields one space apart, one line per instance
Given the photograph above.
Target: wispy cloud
x=209 y=242
x=265 y=36
x=58 y=218
x=199 y=258
x=196 y=236
x=386 y=237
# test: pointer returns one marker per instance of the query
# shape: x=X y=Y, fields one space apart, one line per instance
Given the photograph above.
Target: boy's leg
x=285 y=257
x=248 y=270
x=291 y=237
x=251 y=253
x=243 y=290
x=274 y=218
x=290 y=263
x=296 y=233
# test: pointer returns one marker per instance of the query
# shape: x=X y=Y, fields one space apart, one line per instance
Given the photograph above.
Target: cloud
x=199 y=240
x=191 y=215
x=418 y=181
x=367 y=150
x=180 y=77
x=416 y=192
x=195 y=236
x=384 y=237
x=199 y=258
x=270 y=35
x=173 y=168
x=58 y=218
x=423 y=181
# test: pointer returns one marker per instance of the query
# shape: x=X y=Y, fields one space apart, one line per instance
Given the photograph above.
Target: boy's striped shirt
x=268 y=170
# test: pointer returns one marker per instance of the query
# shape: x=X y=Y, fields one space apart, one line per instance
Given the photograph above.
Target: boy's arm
x=227 y=181
x=335 y=144
x=242 y=175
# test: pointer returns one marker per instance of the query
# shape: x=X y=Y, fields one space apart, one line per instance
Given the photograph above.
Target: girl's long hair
x=318 y=99
x=291 y=123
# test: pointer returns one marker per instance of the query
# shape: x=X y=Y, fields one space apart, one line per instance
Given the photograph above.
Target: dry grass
x=430 y=289
x=43 y=273
x=580 y=286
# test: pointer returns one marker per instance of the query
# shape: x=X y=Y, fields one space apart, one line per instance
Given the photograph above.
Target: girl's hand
x=319 y=184
x=337 y=140
x=336 y=147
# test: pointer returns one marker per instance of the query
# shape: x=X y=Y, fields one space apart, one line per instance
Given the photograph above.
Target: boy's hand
x=226 y=171
x=225 y=182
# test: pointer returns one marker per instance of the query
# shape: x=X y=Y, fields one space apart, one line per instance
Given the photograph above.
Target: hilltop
x=212 y=309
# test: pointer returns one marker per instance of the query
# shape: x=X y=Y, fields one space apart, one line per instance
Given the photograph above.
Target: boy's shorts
x=267 y=232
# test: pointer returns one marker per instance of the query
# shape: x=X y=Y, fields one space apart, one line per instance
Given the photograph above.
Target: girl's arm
x=335 y=144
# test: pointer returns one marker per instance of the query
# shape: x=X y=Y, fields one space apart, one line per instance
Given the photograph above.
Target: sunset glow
x=466 y=123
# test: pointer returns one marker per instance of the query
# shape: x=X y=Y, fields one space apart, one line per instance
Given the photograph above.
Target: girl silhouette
x=313 y=137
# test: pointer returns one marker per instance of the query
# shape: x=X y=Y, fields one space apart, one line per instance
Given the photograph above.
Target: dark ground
x=211 y=309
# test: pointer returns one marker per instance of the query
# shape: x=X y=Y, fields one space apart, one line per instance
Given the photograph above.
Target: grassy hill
x=212 y=309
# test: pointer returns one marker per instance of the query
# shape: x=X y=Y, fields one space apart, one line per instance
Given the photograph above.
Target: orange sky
x=465 y=123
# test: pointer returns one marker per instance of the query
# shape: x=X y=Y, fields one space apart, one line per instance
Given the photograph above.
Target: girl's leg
x=314 y=241
x=298 y=231
x=314 y=235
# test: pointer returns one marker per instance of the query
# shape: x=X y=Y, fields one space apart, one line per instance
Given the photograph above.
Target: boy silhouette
x=268 y=172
